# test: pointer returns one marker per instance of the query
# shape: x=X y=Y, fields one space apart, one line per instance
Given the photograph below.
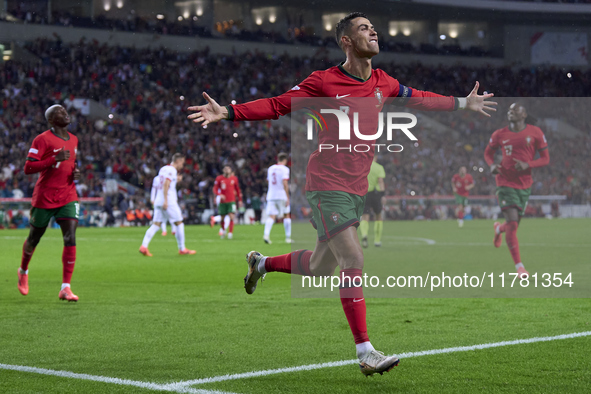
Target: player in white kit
x=166 y=206
x=156 y=184
x=278 y=197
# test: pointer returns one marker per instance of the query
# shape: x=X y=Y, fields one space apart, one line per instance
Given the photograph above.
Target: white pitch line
x=104 y=379
x=101 y=239
x=310 y=367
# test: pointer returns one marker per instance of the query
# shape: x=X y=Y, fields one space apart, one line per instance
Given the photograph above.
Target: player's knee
x=69 y=239
x=33 y=241
x=177 y=223
x=352 y=261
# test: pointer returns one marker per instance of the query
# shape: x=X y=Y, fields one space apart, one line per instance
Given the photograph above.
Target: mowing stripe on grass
x=349 y=362
x=104 y=379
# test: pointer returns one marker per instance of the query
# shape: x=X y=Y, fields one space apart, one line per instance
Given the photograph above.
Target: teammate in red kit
x=461 y=183
x=336 y=181
x=520 y=141
x=53 y=154
x=227 y=191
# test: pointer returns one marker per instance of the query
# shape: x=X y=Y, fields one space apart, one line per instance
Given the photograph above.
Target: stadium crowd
x=148 y=91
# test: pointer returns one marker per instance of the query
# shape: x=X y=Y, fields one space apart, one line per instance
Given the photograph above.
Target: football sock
x=64 y=285
x=180 y=236
x=377 y=228
x=149 y=235
x=460 y=215
x=354 y=303
x=173 y=227
x=287 y=226
x=68 y=262
x=163 y=227
x=512 y=242
x=268 y=225
x=217 y=218
x=25 y=259
x=283 y=263
x=231 y=228
x=364 y=227
x=363 y=348
x=226 y=222
x=502 y=228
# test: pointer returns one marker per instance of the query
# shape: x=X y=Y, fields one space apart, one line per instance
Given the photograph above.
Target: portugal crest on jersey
x=528 y=140
x=335 y=217
x=378 y=95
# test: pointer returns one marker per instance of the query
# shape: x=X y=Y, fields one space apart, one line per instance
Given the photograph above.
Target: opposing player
x=227 y=191
x=373 y=202
x=166 y=206
x=53 y=154
x=336 y=181
x=461 y=183
x=278 y=197
x=520 y=141
x=156 y=185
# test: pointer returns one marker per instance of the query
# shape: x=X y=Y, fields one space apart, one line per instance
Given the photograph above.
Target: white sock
x=498 y=230
x=227 y=222
x=363 y=348
x=64 y=285
x=268 y=226
x=519 y=265
x=261 y=267
x=287 y=225
x=150 y=232
x=163 y=227
x=217 y=218
x=173 y=227
x=23 y=272
x=180 y=236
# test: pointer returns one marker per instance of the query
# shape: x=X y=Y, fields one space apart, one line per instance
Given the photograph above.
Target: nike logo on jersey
x=57 y=150
x=358 y=299
x=343 y=96
x=504 y=142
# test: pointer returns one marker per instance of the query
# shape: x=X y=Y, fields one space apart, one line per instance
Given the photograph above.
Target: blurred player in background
x=461 y=183
x=227 y=191
x=53 y=154
x=278 y=197
x=336 y=182
x=166 y=206
x=373 y=202
x=520 y=141
x=156 y=185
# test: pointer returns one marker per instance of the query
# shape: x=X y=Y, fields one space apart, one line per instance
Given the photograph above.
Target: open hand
x=62 y=155
x=209 y=113
x=521 y=165
x=477 y=103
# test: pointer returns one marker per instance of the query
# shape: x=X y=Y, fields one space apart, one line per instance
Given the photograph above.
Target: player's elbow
x=29 y=169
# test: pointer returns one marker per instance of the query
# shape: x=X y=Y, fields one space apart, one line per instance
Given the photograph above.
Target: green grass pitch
x=171 y=318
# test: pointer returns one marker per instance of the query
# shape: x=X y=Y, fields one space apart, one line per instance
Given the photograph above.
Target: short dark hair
x=282 y=156
x=345 y=23
x=177 y=156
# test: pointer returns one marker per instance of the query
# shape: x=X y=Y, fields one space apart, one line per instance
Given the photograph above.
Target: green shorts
x=40 y=217
x=226 y=208
x=509 y=197
x=461 y=200
x=334 y=211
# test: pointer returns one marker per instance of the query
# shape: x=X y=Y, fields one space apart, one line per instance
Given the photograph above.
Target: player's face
x=364 y=38
x=462 y=171
x=59 y=117
x=179 y=163
x=227 y=171
x=516 y=113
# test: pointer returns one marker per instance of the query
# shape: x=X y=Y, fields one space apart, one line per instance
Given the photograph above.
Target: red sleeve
x=544 y=159
x=470 y=179
x=37 y=149
x=541 y=142
x=274 y=107
x=33 y=167
x=405 y=96
x=453 y=178
x=491 y=148
x=216 y=187
x=238 y=193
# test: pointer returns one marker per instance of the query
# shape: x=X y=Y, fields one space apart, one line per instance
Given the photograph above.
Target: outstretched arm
x=262 y=109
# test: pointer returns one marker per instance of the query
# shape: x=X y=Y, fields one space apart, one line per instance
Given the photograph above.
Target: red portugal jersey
x=461 y=183
x=521 y=146
x=227 y=187
x=342 y=169
x=55 y=186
